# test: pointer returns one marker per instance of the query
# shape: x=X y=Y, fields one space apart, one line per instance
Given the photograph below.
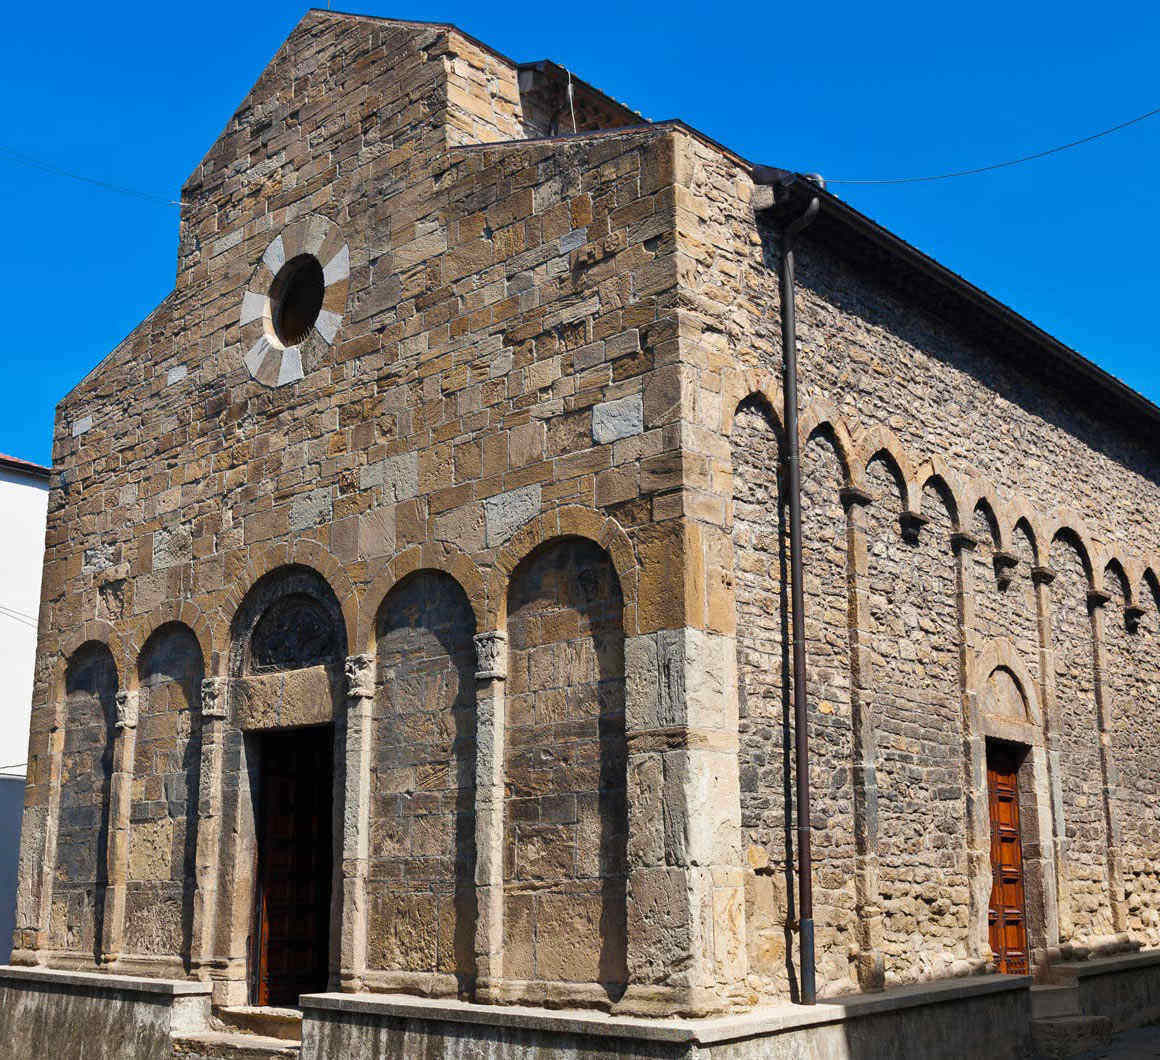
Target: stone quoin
x=414 y=645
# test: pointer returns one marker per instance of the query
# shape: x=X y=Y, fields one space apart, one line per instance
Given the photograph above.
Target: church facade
x=414 y=643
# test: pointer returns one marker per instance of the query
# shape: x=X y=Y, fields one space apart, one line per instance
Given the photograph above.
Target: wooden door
x=294 y=865
x=1007 y=919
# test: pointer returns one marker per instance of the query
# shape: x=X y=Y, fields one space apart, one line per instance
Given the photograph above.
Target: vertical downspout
x=762 y=175
x=797 y=605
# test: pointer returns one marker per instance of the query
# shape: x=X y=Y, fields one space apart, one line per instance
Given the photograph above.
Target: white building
x=23 y=506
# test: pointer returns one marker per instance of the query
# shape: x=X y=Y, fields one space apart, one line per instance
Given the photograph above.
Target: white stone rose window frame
x=294 y=303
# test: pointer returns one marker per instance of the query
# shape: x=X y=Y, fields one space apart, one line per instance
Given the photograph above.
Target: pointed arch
x=881 y=445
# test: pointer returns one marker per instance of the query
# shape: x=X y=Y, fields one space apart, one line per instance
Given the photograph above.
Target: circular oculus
x=293 y=305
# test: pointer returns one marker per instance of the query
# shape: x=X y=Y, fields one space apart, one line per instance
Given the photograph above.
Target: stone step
x=224 y=1045
x=285 y=1023
x=1048 y=1002
x=1064 y=1036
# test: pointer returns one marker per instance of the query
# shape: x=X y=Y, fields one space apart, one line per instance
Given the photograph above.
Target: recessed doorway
x=295 y=862
x=1007 y=914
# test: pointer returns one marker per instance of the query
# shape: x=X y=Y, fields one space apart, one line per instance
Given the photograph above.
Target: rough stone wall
x=504 y=373
x=163 y=815
x=422 y=816
x=1131 y=693
x=918 y=729
x=1085 y=868
x=566 y=825
x=82 y=823
x=765 y=732
x=889 y=375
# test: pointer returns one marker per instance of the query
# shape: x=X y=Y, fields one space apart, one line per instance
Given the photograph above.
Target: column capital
x=213 y=697
x=360 y=676
x=491 y=655
x=126 y=709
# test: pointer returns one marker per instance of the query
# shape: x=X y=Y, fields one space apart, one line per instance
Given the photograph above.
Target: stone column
x=1097 y=598
x=120 y=805
x=491 y=673
x=1042 y=577
x=978 y=822
x=214 y=708
x=356 y=795
x=871 y=964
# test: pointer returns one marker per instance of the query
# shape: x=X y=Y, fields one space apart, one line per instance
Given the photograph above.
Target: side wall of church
x=971 y=521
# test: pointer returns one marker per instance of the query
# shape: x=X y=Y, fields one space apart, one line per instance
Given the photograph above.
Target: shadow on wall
x=11 y=805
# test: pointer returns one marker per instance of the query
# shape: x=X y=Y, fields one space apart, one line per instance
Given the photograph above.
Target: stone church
x=416 y=647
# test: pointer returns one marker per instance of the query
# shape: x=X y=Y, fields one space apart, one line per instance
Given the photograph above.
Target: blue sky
x=134 y=94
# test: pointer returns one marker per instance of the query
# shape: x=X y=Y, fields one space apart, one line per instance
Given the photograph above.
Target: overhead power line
x=1002 y=165
x=48 y=167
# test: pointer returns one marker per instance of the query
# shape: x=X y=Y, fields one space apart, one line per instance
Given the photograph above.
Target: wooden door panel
x=1006 y=919
x=295 y=860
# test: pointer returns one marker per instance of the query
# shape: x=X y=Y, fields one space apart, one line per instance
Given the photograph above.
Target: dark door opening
x=1006 y=917
x=294 y=864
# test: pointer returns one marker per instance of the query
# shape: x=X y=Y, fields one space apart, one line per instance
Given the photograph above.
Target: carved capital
x=854 y=497
x=964 y=542
x=911 y=524
x=213 y=697
x=1097 y=598
x=126 y=710
x=1042 y=575
x=491 y=656
x=360 y=677
x=1004 y=564
x=1133 y=613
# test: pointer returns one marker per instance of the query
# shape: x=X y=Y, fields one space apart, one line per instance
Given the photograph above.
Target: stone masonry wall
x=502 y=373
x=422 y=814
x=163 y=816
x=526 y=395
x=994 y=471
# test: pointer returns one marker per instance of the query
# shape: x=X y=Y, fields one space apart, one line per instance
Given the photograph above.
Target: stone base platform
x=986 y=1016
x=47 y=1014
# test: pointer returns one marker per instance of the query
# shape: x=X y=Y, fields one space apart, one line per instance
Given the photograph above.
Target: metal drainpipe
x=808 y=993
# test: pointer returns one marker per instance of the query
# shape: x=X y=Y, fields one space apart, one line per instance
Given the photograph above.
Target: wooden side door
x=294 y=865
x=1007 y=918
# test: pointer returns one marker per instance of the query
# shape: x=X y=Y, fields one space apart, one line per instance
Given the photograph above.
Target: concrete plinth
x=1123 y=989
x=986 y=1016
x=56 y=1015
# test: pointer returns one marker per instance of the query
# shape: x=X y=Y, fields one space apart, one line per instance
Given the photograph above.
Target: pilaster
x=1097 y=599
x=870 y=962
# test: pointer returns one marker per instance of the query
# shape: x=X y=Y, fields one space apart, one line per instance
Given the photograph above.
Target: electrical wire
x=15 y=765
x=1002 y=165
x=36 y=163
